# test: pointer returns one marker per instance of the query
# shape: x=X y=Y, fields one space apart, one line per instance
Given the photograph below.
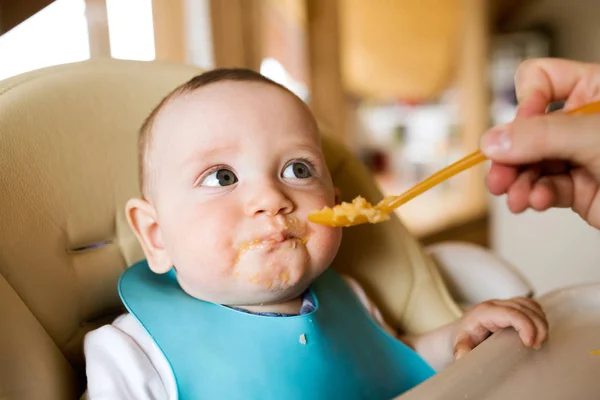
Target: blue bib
x=335 y=352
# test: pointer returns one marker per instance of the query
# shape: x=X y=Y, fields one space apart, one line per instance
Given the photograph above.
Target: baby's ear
x=141 y=216
x=338 y=195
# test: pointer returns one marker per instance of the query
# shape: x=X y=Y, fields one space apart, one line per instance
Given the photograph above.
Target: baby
x=235 y=299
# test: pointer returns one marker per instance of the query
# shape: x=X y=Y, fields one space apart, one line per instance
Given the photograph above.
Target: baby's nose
x=270 y=200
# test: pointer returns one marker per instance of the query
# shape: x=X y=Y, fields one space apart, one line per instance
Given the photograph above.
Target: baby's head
x=230 y=166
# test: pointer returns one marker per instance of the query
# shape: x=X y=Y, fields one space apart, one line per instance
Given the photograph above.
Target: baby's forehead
x=228 y=103
x=231 y=111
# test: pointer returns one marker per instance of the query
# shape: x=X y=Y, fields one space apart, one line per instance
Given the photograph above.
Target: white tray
x=502 y=368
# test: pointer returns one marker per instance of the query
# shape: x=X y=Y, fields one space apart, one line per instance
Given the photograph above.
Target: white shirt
x=124 y=363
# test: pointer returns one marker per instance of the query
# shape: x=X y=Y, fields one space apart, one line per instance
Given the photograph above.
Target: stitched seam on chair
x=438 y=284
x=441 y=286
x=402 y=317
x=43 y=73
x=60 y=68
x=39 y=323
x=412 y=275
x=34 y=315
x=19 y=81
x=340 y=166
x=89 y=246
x=91 y=321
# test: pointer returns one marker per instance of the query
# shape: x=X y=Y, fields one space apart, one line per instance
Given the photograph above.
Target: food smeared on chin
x=269 y=244
x=289 y=237
x=290 y=234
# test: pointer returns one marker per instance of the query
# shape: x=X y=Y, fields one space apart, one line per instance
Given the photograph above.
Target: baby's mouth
x=291 y=233
x=271 y=242
x=275 y=248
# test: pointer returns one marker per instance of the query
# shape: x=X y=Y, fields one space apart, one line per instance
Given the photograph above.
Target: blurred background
x=408 y=85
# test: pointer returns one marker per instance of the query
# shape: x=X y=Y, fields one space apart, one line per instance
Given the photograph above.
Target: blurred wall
x=575 y=23
x=556 y=248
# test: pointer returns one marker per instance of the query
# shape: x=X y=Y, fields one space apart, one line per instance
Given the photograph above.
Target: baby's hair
x=197 y=82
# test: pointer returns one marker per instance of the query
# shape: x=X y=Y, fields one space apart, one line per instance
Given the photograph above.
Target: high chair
x=68 y=163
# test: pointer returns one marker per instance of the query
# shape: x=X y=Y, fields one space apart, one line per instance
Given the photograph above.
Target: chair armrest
x=474 y=274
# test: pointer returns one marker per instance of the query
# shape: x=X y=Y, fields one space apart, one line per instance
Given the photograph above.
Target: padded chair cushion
x=68 y=164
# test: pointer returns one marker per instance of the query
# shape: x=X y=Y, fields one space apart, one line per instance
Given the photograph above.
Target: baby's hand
x=524 y=315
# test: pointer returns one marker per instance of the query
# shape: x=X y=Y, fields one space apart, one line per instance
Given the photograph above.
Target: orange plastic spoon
x=360 y=211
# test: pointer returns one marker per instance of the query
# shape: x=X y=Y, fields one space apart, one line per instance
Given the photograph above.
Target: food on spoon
x=347 y=214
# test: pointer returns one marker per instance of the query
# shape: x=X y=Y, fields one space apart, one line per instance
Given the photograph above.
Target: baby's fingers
x=464 y=344
x=495 y=315
x=522 y=323
x=533 y=311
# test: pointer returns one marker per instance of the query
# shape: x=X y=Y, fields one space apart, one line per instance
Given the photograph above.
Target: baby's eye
x=221 y=177
x=298 y=170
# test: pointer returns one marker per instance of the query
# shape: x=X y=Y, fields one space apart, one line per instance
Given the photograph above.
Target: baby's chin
x=258 y=276
x=279 y=271
x=235 y=292
x=257 y=299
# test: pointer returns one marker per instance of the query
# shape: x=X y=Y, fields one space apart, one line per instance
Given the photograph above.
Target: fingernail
x=496 y=140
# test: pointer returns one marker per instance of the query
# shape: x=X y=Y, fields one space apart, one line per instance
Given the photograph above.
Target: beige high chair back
x=68 y=164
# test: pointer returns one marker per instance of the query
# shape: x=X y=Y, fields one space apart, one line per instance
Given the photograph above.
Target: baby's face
x=236 y=168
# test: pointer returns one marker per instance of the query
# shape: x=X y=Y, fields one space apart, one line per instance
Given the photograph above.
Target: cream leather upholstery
x=474 y=275
x=67 y=165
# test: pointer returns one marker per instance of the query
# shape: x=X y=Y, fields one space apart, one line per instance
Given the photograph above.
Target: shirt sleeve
x=124 y=363
x=369 y=305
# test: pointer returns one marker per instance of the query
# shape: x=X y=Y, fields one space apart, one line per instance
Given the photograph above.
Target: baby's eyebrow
x=308 y=147
x=207 y=154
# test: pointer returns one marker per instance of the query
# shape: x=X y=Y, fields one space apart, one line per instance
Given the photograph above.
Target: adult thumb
x=554 y=136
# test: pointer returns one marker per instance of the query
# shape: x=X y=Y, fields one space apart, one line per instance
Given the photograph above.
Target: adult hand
x=549 y=160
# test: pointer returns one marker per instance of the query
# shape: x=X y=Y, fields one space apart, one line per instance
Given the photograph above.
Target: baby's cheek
x=210 y=259
x=323 y=244
x=223 y=260
x=207 y=278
